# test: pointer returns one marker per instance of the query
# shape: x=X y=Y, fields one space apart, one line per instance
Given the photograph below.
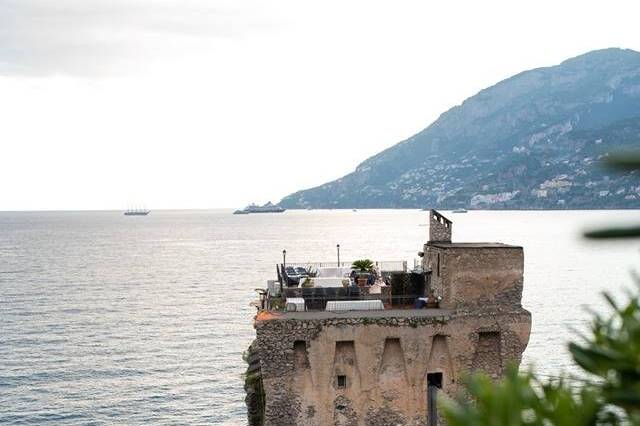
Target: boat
x=136 y=212
x=461 y=210
x=266 y=208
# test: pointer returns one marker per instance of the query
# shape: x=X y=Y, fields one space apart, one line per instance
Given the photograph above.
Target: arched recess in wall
x=345 y=383
x=303 y=386
x=345 y=365
x=392 y=373
x=440 y=359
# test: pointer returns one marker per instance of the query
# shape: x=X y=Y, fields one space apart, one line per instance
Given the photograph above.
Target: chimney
x=439 y=227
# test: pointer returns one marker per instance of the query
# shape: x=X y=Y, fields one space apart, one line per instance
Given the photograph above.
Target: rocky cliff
x=535 y=140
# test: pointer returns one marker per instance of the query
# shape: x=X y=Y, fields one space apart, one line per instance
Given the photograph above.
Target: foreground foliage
x=609 y=357
x=610 y=395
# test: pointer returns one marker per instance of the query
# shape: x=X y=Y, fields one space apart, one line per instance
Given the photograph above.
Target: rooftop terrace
x=450 y=275
x=331 y=286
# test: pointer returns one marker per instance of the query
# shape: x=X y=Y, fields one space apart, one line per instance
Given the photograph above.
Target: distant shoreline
x=230 y=209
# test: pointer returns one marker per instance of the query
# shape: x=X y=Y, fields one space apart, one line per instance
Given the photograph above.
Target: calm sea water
x=111 y=319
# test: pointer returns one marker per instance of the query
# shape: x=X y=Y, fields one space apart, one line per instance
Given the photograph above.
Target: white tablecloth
x=295 y=304
x=354 y=305
x=327 y=271
x=328 y=281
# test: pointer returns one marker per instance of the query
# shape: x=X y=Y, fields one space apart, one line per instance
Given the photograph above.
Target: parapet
x=439 y=227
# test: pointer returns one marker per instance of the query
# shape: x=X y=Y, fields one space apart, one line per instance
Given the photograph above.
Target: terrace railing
x=316 y=298
x=383 y=265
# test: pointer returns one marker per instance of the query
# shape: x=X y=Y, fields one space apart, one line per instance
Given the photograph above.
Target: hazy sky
x=203 y=103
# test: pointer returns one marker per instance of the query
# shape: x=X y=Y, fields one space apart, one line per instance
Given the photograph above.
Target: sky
x=110 y=104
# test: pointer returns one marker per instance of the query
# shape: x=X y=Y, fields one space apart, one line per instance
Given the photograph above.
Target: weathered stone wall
x=253 y=386
x=440 y=228
x=385 y=361
x=476 y=277
x=431 y=261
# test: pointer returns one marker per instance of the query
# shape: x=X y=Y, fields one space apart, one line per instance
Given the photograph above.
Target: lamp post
x=338 y=247
x=284 y=265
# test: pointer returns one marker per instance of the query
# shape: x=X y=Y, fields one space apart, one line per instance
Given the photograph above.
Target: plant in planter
x=363 y=265
x=363 y=268
x=307 y=283
x=312 y=272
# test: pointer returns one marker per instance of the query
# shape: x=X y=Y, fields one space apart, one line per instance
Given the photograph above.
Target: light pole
x=284 y=265
x=338 y=247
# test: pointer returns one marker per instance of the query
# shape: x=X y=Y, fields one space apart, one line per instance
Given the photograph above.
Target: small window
x=342 y=382
x=434 y=379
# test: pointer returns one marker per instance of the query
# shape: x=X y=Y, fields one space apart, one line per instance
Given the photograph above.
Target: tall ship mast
x=136 y=212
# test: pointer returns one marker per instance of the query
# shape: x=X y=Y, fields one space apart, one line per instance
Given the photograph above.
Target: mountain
x=535 y=140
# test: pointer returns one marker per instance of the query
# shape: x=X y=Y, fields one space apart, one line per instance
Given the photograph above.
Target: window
x=342 y=382
x=434 y=379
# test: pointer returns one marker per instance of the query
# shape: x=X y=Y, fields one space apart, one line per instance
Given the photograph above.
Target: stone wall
x=383 y=361
x=253 y=386
x=475 y=276
x=440 y=228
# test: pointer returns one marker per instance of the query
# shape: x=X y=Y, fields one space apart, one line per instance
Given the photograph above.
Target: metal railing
x=382 y=265
x=385 y=267
x=316 y=298
x=319 y=303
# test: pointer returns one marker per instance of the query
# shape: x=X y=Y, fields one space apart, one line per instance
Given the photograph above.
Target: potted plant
x=307 y=283
x=312 y=272
x=363 y=268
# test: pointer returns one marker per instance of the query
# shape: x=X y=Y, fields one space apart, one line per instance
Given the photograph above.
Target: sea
x=113 y=319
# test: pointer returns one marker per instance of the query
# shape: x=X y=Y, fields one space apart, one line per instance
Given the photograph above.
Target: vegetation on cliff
x=534 y=140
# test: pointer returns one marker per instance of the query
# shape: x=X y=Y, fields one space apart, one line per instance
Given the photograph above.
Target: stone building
x=387 y=367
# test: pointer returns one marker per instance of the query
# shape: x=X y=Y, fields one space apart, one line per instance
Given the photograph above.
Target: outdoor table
x=354 y=305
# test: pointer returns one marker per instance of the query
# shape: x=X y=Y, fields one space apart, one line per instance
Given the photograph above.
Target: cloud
x=96 y=37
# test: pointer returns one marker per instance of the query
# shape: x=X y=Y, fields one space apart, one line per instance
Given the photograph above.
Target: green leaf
x=624 y=160
x=628 y=232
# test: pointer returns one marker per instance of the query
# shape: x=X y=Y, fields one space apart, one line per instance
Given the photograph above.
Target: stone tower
x=380 y=367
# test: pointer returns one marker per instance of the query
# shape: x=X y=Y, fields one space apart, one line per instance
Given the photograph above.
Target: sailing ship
x=136 y=212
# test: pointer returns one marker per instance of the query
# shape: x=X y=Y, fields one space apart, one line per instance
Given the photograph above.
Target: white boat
x=267 y=208
x=459 y=211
